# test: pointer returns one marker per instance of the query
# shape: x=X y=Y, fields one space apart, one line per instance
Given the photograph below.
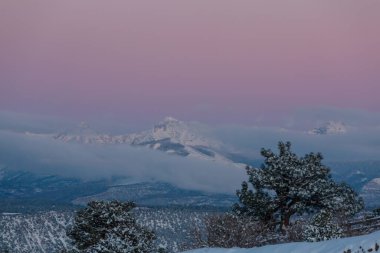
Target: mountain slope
x=45 y=232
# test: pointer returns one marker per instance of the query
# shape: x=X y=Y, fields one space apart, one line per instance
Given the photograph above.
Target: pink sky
x=219 y=61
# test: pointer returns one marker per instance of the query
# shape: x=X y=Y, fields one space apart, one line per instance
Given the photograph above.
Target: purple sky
x=216 y=61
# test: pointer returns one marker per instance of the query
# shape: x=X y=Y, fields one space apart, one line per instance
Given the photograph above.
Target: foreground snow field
x=359 y=244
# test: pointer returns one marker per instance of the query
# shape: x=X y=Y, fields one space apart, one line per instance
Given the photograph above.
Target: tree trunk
x=285 y=221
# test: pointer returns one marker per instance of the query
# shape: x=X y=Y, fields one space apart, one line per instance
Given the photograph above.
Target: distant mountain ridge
x=170 y=135
x=160 y=194
x=330 y=128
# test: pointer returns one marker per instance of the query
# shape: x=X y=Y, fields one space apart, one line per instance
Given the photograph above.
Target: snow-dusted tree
x=286 y=185
x=110 y=227
x=322 y=227
x=229 y=230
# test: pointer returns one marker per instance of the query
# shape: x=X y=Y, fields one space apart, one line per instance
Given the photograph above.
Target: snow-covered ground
x=359 y=244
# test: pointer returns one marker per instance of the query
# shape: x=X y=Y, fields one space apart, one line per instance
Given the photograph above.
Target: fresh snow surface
x=364 y=243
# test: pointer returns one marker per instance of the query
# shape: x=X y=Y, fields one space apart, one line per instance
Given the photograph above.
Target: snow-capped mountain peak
x=170 y=119
x=175 y=136
x=331 y=127
x=169 y=128
x=177 y=131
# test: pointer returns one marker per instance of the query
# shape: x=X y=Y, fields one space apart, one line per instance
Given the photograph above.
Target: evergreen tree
x=110 y=227
x=322 y=228
x=286 y=185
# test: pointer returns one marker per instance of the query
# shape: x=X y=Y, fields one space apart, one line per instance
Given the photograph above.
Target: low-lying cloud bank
x=358 y=144
x=46 y=155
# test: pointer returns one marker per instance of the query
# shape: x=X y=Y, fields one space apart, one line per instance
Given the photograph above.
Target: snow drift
x=365 y=243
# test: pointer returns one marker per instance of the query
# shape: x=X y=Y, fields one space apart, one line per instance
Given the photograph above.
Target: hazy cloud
x=358 y=144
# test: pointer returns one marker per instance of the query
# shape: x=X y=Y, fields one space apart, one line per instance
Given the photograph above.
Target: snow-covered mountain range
x=170 y=135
